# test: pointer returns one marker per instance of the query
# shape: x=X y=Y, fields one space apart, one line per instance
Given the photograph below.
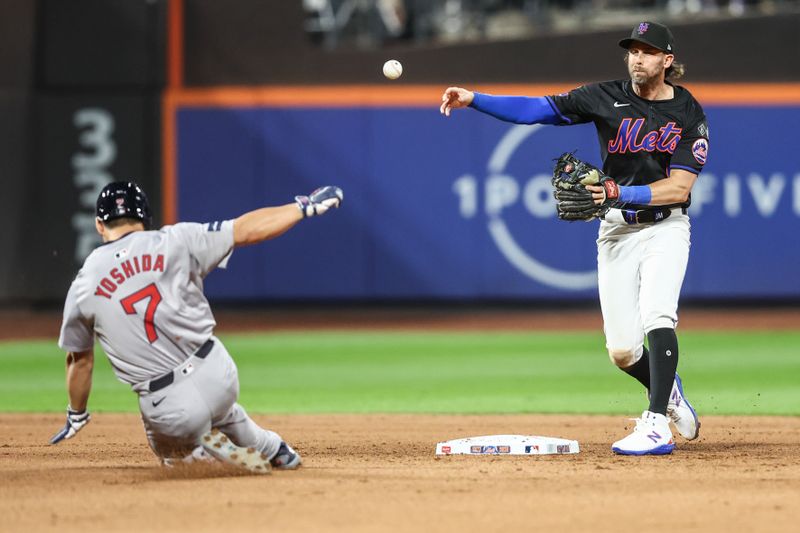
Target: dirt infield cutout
x=379 y=473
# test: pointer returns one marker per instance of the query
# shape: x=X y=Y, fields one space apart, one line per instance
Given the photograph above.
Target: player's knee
x=623 y=358
x=659 y=321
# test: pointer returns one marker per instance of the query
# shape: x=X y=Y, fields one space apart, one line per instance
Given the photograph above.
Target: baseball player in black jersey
x=654 y=142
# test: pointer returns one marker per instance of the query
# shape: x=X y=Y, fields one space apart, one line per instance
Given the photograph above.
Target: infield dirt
x=379 y=473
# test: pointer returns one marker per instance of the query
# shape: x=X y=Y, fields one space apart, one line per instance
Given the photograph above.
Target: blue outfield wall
x=440 y=208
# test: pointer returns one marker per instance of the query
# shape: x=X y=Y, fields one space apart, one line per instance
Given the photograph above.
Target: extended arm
x=517 y=109
x=270 y=222
x=79 y=385
x=79 y=378
x=263 y=224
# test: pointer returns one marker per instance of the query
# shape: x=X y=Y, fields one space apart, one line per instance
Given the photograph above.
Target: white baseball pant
x=202 y=396
x=640 y=272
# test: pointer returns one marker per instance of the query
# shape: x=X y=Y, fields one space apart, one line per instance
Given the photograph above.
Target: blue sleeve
x=635 y=194
x=519 y=109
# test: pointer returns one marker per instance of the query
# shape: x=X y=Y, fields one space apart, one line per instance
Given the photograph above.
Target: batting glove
x=319 y=201
x=75 y=422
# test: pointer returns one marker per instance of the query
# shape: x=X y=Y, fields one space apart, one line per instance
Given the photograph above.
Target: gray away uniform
x=143 y=296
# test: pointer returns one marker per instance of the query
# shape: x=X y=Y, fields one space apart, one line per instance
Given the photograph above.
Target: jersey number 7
x=151 y=292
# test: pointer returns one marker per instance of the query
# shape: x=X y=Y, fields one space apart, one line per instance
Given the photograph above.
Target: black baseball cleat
x=286 y=458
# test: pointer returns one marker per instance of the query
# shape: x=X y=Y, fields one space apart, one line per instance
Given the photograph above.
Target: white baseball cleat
x=681 y=413
x=218 y=445
x=286 y=458
x=651 y=436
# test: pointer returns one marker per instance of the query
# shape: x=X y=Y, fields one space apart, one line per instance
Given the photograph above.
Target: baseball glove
x=573 y=200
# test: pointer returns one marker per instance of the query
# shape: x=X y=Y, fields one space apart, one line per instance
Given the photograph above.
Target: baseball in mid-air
x=392 y=69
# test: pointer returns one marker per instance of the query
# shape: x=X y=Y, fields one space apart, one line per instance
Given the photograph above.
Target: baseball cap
x=652 y=33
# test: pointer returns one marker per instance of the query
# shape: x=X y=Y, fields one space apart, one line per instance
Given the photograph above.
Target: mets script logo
x=664 y=139
x=502 y=192
x=700 y=150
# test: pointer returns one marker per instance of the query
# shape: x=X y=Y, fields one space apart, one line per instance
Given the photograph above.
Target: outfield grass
x=475 y=372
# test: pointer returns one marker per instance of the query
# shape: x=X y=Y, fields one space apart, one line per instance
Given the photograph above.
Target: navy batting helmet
x=123 y=199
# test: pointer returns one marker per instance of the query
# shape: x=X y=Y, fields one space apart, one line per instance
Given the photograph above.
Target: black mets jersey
x=640 y=140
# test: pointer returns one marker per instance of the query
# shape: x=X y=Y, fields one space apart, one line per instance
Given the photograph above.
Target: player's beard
x=642 y=78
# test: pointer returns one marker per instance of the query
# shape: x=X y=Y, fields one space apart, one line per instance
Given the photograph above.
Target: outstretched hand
x=455 y=98
x=319 y=201
x=75 y=422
